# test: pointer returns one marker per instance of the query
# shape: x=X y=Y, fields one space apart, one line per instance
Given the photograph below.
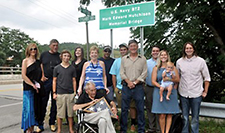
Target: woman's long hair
x=27 y=51
x=82 y=53
x=159 y=62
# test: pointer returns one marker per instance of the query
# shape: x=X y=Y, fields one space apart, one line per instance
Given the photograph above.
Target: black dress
x=34 y=73
x=78 y=68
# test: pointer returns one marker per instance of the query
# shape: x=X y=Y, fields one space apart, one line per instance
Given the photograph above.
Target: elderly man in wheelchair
x=101 y=118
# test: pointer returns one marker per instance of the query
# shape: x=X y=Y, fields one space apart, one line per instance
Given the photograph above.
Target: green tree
x=12 y=44
x=71 y=46
x=62 y=46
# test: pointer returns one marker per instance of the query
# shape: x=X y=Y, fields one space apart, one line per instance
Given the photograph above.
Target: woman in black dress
x=31 y=74
x=78 y=63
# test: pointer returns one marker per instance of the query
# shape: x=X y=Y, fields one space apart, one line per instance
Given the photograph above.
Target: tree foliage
x=12 y=44
x=71 y=47
x=62 y=46
x=178 y=21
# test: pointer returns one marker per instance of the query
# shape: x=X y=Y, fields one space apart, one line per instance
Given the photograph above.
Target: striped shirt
x=94 y=73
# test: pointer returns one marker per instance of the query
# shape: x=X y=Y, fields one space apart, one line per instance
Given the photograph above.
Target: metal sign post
x=86 y=18
x=142 y=39
x=111 y=41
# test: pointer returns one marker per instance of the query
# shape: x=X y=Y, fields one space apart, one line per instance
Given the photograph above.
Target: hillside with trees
x=13 y=43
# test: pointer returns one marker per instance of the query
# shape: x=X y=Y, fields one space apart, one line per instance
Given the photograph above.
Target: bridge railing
x=10 y=70
x=9 y=74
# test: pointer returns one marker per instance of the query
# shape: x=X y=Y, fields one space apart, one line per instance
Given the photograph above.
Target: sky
x=44 y=20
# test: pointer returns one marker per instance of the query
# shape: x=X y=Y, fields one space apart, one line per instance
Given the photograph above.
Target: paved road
x=11 y=109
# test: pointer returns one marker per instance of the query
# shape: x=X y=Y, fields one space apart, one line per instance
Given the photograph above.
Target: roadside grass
x=206 y=125
x=211 y=125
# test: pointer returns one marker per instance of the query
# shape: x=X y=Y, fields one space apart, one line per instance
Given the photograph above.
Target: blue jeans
x=110 y=95
x=53 y=111
x=137 y=94
x=192 y=104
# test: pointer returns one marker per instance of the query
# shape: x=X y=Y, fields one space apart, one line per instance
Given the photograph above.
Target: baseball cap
x=123 y=45
x=107 y=47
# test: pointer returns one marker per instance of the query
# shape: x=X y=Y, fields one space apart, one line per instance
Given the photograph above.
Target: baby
x=168 y=85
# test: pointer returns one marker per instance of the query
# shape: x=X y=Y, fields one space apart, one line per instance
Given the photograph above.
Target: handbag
x=177 y=124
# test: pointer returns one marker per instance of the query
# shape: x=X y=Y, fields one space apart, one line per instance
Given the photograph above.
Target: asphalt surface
x=11 y=108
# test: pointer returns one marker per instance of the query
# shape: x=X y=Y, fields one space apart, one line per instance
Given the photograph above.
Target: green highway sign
x=141 y=14
x=86 y=18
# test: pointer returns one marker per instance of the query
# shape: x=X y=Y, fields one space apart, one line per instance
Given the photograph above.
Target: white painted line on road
x=10 y=105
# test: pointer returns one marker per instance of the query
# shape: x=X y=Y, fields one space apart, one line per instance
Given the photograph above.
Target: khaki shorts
x=64 y=103
x=118 y=93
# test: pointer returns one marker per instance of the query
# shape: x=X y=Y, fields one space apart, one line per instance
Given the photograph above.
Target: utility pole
x=86 y=18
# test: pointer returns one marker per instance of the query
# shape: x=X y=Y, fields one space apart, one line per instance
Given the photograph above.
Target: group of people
x=188 y=77
x=137 y=82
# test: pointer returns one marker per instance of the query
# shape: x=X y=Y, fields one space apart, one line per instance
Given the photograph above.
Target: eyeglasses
x=108 y=51
x=33 y=49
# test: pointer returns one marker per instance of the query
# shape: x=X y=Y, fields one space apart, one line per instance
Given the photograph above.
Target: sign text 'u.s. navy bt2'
x=134 y=15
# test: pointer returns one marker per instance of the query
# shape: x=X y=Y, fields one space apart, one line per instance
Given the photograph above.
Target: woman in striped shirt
x=94 y=70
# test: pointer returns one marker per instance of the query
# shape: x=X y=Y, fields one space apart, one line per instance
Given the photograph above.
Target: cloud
x=47 y=19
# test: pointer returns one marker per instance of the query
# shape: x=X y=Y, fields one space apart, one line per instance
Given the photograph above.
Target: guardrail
x=214 y=110
x=10 y=70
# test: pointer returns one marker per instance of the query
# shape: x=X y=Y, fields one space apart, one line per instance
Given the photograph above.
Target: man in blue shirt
x=116 y=79
x=152 y=118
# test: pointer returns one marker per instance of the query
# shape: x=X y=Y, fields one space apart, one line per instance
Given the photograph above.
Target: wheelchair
x=83 y=126
x=86 y=127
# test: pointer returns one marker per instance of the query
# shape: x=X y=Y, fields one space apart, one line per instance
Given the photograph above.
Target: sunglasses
x=33 y=49
x=108 y=51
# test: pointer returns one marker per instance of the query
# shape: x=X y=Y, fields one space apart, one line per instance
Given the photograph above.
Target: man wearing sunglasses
x=107 y=50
